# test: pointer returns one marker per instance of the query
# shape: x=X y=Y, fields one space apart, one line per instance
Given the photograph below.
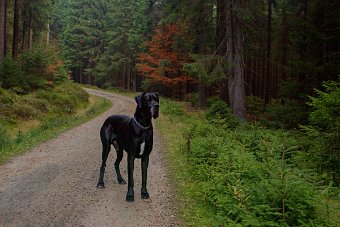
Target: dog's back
x=114 y=126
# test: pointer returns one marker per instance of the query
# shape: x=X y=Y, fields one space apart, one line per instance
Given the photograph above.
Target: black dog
x=135 y=136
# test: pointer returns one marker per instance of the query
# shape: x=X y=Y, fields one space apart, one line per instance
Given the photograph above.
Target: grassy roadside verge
x=24 y=134
x=239 y=174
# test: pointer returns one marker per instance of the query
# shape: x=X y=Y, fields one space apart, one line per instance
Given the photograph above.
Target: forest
x=264 y=74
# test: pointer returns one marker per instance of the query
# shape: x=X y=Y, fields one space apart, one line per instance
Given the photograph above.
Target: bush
x=290 y=115
x=66 y=98
x=248 y=176
x=193 y=99
x=220 y=113
x=33 y=69
x=255 y=105
x=11 y=76
x=324 y=129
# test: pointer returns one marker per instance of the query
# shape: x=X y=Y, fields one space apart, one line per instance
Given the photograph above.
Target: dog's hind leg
x=119 y=150
x=105 y=154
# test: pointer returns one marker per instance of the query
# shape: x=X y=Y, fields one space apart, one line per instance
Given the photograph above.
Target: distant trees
x=101 y=39
x=271 y=50
x=22 y=24
x=3 y=29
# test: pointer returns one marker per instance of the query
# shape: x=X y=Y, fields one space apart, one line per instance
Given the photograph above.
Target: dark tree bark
x=81 y=73
x=202 y=47
x=221 y=43
x=235 y=53
x=15 y=29
x=303 y=46
x=128 y=74
x=284 y=40
x=3 y=30
x=30 y=28
x=269 y=79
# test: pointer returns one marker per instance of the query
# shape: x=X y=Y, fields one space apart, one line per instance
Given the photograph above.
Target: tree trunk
x=269 y=80
x=202 y=47
x=3 y=18
x=30 y=29
x=81 y=73
x=15 y=29
x=128 y=72
x=48 y=35
x=24 y=27
x=235 y=53
x=134 y=75
x=284 y=41
x=221 y=43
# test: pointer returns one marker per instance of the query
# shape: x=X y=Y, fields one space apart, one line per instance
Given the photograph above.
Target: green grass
x=245 y=175
x=25 y=131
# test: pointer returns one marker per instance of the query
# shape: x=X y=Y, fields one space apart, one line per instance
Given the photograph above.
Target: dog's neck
x=143 y=117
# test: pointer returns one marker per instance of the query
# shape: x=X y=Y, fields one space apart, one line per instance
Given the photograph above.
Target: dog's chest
x=142 y=148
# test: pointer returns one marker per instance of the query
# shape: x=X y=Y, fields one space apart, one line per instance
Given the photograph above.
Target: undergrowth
x=30 y=119
x=230 y=173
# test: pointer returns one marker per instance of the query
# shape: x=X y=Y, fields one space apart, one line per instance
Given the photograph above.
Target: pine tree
x=163 y=62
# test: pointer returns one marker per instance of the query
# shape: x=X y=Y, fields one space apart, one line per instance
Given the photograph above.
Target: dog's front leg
x=145 y=164
x=130 y=193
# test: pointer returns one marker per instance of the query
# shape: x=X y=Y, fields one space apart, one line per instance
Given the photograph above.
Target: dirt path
x=55 y=183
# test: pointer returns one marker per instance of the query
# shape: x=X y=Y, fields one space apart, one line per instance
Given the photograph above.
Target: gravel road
x=54 y=184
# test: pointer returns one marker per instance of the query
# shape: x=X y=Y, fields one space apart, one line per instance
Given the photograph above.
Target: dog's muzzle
x=155 y=111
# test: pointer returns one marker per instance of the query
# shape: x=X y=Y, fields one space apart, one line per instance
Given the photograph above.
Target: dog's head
x=149 y=101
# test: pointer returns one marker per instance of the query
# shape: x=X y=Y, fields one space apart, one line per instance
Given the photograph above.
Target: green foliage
x=100 y=39
x=324 y=129
x=32 y=71
x=193 y=99
x=289 y=115
x=172 y=108
x=63 y=99
x=220 y=114
x=254 y=105
x=208 y=69
x=326 y=107
x=51 y=124
x=247 y=176
x=11 y=76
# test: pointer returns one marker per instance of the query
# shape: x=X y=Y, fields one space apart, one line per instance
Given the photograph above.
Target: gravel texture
x=54 y=184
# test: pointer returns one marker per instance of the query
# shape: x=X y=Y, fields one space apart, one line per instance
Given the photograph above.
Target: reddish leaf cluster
x=163 y=62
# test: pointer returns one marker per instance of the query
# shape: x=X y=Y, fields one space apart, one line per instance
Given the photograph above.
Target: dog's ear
x=139 y=100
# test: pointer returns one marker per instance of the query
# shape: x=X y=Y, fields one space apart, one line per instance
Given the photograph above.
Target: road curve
x=54 y=184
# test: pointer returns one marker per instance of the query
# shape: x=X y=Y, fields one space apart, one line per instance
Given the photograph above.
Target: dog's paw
x=145 y=195
x=121 y=181
x=100 y=185
x=130 y=198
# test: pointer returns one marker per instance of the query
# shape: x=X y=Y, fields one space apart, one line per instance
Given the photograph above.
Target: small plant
x=221 y=114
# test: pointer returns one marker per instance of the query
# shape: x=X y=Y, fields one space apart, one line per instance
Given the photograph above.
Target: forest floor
x=54 y=184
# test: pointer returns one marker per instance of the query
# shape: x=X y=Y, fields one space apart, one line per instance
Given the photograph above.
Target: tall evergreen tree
x=3 y=29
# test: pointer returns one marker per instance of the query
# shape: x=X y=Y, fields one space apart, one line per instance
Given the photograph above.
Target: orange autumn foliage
x=163 y=62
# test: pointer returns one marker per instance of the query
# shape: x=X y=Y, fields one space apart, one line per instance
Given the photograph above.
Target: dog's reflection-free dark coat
x=135 y=136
